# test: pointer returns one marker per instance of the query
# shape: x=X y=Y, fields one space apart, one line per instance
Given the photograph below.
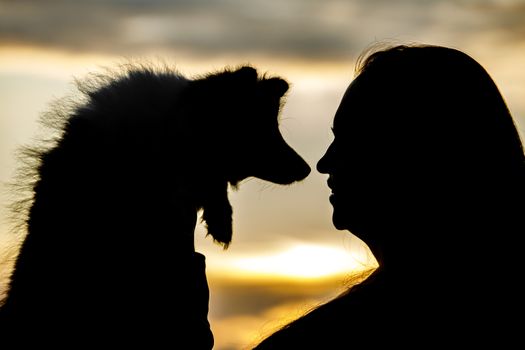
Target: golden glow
x=47 y=62
x=246 y=331
x=60 y=64
x=301 y=262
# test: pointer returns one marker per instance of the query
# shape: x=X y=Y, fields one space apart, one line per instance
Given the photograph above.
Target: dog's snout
x=286 y=169
x=304 y=170
x=296 y=168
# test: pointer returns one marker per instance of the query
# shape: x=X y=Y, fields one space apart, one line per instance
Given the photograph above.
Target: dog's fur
x=115 y=200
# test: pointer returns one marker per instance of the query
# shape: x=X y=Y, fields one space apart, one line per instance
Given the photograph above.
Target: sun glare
x=303 y=262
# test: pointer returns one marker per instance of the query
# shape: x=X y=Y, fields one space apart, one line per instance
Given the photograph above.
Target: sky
x=285 y=257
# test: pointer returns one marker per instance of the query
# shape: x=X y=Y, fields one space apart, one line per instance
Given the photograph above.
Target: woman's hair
x=442 y=110
x=452 y=94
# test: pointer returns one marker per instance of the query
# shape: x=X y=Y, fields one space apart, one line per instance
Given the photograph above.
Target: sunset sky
x=285 y=256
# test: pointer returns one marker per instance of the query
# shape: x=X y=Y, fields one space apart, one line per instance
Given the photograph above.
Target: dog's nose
x=304 y=171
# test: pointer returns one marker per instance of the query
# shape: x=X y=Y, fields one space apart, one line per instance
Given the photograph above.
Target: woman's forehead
x=354 y=88
x=353 y=104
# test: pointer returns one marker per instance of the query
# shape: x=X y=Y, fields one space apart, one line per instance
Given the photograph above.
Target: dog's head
x=237 y=121
x=242 y=127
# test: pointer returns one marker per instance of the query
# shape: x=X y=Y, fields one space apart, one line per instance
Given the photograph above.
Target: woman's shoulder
x=354 y=312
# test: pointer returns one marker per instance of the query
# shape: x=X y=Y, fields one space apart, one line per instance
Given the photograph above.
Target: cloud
x=328 y=30
x=246 y=331
x=235 y=297
x=204 y=27
x=243 y=312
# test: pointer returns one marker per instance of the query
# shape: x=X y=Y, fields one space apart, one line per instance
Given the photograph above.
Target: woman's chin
x=339 y=221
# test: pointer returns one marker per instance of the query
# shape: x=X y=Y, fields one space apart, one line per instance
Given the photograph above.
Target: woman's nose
x=323 y=165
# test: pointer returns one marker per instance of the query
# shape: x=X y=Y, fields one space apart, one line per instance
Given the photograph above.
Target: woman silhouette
x=428 y=169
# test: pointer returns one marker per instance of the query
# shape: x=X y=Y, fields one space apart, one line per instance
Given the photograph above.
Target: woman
x=428 y=169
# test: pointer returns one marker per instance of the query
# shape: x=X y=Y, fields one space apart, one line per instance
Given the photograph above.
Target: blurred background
x=285 y=257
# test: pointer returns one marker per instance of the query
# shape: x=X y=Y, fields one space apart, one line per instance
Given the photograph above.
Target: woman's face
x=356 y=165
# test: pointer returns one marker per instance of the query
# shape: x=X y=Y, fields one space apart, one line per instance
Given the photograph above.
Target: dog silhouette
x=109 y=256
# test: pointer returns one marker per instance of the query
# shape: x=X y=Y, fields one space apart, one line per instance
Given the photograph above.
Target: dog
x=109 y=254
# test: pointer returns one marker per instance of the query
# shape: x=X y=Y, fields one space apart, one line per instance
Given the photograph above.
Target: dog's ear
x=246 y=74
x=275 y=86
